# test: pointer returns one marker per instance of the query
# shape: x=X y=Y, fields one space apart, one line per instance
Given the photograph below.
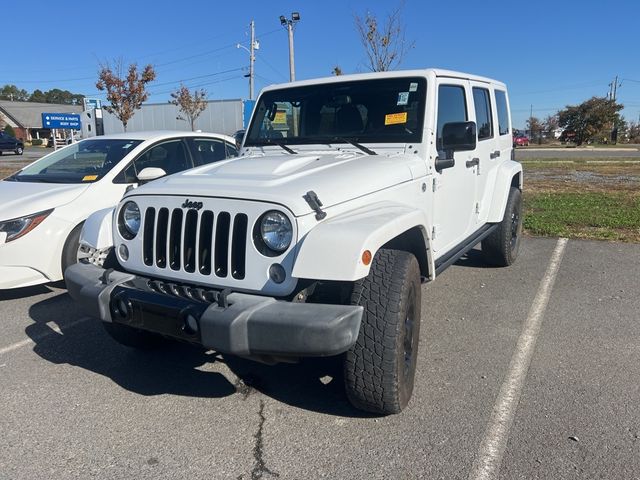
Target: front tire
x=70 y=249
x=502 y=246
x=379 y=370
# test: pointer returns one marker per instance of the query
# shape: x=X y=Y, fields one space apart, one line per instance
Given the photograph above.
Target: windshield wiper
x=271 y=141
x=349 y=140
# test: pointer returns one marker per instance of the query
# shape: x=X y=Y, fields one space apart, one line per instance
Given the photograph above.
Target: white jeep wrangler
x=350 y=192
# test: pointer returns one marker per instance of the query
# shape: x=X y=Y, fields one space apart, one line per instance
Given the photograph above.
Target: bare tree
x=384 y=42
x=125 y=93
x=191 y=104
x=337 y=71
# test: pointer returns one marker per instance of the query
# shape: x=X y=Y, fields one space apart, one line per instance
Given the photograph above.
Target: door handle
x=474 y=162
x=495 y=154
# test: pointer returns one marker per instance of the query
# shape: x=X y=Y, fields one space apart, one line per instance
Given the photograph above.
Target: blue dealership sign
x=70 y=121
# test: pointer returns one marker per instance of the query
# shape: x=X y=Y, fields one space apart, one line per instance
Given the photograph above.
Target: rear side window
x=503 y=112
x=210 y=150
x=452 y=107
x=482 y=104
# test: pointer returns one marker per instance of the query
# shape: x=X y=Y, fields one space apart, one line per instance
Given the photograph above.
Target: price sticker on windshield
x=89 y=178
x=281 y=117
x=395 y=118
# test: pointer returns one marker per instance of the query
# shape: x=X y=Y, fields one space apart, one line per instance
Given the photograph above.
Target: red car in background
x=520 y=140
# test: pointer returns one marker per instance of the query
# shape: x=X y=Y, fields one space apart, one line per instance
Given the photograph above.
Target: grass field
x=583 y=198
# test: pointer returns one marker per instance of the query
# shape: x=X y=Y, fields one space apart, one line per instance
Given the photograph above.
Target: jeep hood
x=284 y=179
x=18 y=199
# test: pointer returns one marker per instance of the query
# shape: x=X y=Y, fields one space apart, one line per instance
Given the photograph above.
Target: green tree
x=13 y=93
x=384 y=42
x=9 y=131
x=125 y=92
x=191 y=104
x=590 y=118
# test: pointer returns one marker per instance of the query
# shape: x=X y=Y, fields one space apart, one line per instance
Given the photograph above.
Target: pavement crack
x=260 y=468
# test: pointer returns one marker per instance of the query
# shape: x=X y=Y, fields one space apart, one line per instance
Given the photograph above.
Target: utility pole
x=289 y=23
x=255 y=45
x=252 y=58
x=615 y=88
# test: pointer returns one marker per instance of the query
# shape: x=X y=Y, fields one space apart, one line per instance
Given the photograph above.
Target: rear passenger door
x=487 y=151
x=211 y=150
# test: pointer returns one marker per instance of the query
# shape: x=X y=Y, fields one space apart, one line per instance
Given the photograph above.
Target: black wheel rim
x=409 y=323
x=515 y=225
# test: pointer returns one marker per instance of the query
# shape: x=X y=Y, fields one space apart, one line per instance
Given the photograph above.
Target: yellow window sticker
x=395 y=118
x=89 y=178
x=281 y=117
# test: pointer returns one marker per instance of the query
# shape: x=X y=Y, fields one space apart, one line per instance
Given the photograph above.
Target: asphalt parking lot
x=526 y=372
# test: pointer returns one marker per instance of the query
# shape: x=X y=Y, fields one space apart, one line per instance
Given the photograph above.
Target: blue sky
x=550 y=53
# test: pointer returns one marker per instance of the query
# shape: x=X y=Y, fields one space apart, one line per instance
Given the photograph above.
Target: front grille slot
x=190 y=227
x=149 y=224
x=175 y=234
x=221 y=255
x=161 y=237
x=195 y=241
x=205 y=242
x=238 y=247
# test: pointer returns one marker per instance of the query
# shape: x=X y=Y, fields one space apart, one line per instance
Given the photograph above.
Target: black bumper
x=228 y=322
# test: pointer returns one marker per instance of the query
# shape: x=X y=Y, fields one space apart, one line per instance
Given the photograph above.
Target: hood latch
x=314 y=202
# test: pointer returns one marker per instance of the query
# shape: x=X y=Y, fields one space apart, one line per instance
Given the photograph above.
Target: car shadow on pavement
x=62 y=335
x=24 y=292
x=473 y=258
x=314 y=384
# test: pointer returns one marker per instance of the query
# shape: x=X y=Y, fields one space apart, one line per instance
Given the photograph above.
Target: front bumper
x=229 y=322
x=20 y=276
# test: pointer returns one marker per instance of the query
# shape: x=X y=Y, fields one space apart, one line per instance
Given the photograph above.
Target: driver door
x=454 y=187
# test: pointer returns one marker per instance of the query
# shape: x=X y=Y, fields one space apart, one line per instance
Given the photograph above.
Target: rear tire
x=134 y=338
x=19 y=151
x=502 y=246
x=379 y=370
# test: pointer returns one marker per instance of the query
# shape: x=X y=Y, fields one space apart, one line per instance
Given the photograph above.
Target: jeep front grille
x=209 y=242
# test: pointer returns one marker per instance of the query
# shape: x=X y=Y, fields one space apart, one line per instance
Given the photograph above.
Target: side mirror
x=149 y=174
x=459 y=136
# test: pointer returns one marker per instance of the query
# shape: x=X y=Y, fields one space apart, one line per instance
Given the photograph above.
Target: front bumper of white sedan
x=36 y=257
x=20 y=276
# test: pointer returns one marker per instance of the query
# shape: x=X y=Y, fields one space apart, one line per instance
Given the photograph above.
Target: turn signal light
x=366 y=257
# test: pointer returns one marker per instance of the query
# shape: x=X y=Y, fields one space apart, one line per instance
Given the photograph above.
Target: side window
x=503 y=112
x=170 y=156
x=209 y=150
x=232 y=150
x=482 y=104
x=452 y=107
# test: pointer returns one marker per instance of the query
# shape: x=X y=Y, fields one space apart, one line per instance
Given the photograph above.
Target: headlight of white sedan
x=129 y=220
x=18 y=227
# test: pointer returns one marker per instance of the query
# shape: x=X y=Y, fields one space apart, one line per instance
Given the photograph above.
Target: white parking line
x=28 y=341
x=486 y=465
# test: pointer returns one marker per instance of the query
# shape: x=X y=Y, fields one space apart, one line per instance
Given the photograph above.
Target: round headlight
x=129 y=221
x=276 y=231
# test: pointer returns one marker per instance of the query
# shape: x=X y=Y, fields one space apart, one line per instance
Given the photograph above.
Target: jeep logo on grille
x=189 y=204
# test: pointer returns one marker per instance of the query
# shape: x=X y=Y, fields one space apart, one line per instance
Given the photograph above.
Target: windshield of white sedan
x=83 y=162
x=385 y=110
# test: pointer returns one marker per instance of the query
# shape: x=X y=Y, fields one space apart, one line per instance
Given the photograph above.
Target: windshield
x=387 y=110
x=83 y=162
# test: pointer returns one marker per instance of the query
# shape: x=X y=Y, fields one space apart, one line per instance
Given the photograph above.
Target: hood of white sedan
x=285 y=179
x=18 y=199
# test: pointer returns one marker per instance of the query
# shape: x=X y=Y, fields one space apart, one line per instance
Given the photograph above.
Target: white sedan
x=44 y=205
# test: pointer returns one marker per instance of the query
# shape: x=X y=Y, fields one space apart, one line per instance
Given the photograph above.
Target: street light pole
x=289 y=23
